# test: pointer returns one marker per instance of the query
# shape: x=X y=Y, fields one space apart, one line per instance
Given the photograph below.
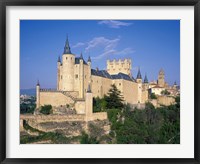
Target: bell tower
x=161 y=78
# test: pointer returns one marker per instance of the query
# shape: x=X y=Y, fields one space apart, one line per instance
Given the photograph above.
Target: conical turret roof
x=139 y=76
x=67 y=47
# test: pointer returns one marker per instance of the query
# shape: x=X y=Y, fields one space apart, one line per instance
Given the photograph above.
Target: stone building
x=74 y=75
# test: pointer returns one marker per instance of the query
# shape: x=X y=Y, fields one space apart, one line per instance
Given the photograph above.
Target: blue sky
x=150 y=44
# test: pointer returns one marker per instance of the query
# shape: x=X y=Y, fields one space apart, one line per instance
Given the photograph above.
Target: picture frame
x=3 y=82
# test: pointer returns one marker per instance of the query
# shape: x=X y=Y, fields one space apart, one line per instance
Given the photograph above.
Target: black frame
x=4 y=3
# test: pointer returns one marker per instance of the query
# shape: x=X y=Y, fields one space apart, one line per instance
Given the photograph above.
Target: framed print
x=104 y=82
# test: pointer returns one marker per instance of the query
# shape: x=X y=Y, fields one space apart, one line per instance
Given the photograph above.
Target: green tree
x=114 y=98
x=165 y=92
x=153 y=96
x=46 y=109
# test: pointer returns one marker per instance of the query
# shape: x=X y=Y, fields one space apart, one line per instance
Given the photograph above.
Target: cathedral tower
x=68 y=61
x=161 y=78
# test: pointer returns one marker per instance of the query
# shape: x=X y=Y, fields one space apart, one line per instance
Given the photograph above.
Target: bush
x=46 y=109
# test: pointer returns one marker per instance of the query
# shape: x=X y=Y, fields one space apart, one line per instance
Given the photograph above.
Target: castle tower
x=139 y=77
x=119 y=66
x=68 y=60
x=161 y=78
x=175 y=85
x=139 y=81
x=38 y=94
x=81 y=91
x=146 y=84
x=88 y=103
x=89 y=68
x=58 y=73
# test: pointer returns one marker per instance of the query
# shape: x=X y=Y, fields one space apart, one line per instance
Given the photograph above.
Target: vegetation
x=112 y=100
x=53 y=137
x=153 y=96
x=165 y=92
x=46 y=109
x=27 y=105
x=135 y=126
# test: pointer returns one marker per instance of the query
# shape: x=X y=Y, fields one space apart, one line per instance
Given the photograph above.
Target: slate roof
x=104 y=73
x=77 y=60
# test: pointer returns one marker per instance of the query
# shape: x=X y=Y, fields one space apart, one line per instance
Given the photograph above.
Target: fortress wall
x=117 y=66
x=130 y=91
x=86 y=78
x=54 y=98
x=76 y=79
x=144 y=96
x=52 y=118
x=165 y=100
x=96 y=86
x=80 y=107
x=119 y=84
x=106 y=85
x=73 y=93
x=98 y=116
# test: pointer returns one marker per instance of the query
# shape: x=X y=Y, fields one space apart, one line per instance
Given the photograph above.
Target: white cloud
x=114 y=24
x=102 y=41
x=125 y=51
x=78 y=45
x=107 y=47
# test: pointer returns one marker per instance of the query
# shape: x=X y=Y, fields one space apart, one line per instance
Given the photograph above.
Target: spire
x=89 y=89
x=175 y=83
x=161 y=71
x=38 y=83
x=89 y=60
x=145 y=79
x=139 y=76
x=67 y=48
x=58 y=58
x=81 y=56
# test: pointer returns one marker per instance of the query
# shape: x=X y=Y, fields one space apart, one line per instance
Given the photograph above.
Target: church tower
x=68 y=61
x=161 y=78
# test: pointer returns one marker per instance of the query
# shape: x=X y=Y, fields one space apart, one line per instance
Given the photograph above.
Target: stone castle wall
x=166 y=100
x=54 y=98
x=53 y=118
x=117 y=66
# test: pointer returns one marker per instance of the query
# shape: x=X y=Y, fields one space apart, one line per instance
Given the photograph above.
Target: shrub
x=46 y=109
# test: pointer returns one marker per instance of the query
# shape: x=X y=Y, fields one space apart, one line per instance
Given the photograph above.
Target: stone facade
x=74 y=75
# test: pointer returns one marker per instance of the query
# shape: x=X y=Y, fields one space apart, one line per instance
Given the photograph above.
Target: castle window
x=97 y=81
x=76 y=76
x=71 y=58
x=119 y=84
x=66 y=58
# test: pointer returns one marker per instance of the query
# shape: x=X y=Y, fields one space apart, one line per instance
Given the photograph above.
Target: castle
x=78 y=83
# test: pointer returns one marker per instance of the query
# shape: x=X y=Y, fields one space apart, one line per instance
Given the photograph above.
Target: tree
x=46 y=109
x=153 y=96
x=165 y=92
x=114 y=98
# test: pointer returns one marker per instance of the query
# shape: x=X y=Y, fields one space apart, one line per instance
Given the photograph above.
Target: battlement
x=119 y=66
